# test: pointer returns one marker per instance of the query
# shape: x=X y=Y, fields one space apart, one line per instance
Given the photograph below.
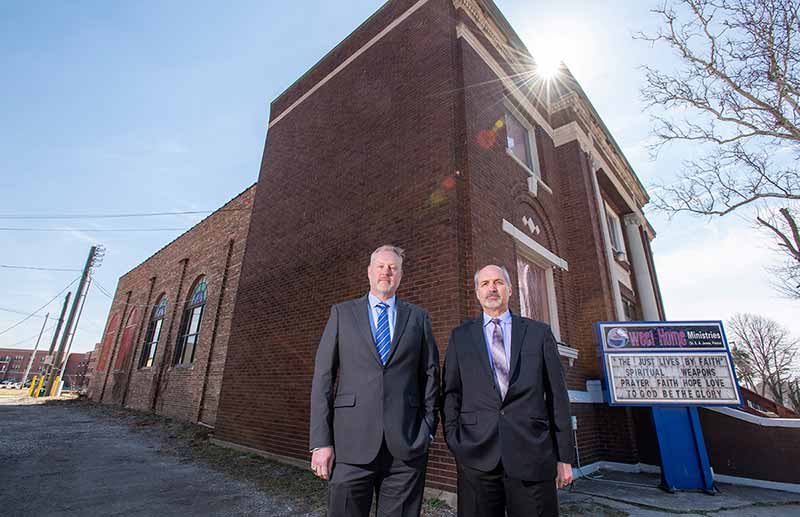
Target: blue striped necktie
x=382 y=337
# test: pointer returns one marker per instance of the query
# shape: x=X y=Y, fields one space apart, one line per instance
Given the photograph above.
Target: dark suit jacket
x=397 y=401
x=530 y=430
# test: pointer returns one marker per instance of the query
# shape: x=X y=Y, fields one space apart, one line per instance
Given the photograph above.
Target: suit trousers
x=398 y=487
x=491 y=494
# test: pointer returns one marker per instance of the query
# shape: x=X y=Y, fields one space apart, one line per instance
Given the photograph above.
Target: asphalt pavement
x=56 y=460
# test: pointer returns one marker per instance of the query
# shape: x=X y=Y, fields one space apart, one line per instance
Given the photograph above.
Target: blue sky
x=117 y=107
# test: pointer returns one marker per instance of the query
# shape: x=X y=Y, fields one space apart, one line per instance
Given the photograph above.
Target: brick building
x=14 y=361
x=428 y=128
x=75 y=371
x=91 y=364
x=166 y=336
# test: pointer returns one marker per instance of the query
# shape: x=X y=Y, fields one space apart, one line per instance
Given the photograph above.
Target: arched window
x=108 y=342
x=190 y=323
x=153 y=333
x=126 y=341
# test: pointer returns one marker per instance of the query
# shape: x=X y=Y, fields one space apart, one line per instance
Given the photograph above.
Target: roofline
x=198 y=223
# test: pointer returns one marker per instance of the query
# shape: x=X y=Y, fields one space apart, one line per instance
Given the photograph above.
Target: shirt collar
x=374 y=300
x=504 y=318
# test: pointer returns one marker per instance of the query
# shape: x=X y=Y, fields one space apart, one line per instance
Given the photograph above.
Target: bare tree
x=793 y=393
x=744 y=368
x=738 y=96
x=769 y=353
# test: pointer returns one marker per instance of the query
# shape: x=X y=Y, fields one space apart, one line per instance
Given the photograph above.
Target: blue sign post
x=672 y=367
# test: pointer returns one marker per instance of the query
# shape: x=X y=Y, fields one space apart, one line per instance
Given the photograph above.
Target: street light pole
x=33 y=354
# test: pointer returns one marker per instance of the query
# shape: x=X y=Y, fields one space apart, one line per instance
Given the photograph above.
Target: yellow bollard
x=33 y=385
x=39 y=387
x=55 y=386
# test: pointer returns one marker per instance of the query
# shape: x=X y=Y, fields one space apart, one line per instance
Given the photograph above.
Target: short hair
x=388 y=247
x=503 y=269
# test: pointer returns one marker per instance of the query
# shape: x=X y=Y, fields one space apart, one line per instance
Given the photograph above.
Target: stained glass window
x=190 y=324
x=199 y=293
x=153 y=334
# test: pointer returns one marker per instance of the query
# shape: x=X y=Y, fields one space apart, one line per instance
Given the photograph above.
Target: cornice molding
x=478 y=16
x=571 y=100
x=463 y=32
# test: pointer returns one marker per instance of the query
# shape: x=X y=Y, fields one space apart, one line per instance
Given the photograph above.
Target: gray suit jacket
x=397 y=402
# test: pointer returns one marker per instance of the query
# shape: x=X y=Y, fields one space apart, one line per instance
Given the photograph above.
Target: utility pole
x=60 y=322
x=33 y=354
x=96 y=254
x=60 y=372
x=49 y=367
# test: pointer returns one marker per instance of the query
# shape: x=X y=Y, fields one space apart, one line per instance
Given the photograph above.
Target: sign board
x=667 y=364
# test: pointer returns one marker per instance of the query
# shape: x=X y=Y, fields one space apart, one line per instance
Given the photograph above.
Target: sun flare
x=547 y=64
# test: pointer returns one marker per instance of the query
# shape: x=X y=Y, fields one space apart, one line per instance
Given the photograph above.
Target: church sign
x=667 y=363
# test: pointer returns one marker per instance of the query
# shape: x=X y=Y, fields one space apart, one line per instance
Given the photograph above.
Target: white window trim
x=535 y=173
x=617 y=230
x=541 y=256
x=551 y=258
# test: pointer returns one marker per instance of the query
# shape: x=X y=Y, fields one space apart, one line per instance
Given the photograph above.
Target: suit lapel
x=479 y=348
x=403 y=311
x=361 y=316
x=518 y=328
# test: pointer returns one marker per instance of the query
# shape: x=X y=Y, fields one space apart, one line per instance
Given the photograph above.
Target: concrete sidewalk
x=639 y=495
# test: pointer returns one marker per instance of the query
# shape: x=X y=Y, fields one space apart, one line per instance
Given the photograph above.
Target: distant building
x=764 y=406
x=75 y=371
x=91 y=364
x=14 y=361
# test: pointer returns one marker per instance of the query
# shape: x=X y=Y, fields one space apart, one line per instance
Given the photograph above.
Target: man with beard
x=506 y=409
x=373 y=433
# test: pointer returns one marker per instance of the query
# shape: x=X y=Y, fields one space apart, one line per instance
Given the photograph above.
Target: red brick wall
x=366 y=160
x=214 y=249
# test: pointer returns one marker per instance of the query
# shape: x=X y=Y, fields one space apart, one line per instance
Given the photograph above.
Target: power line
x=102 y=289
x=114 y=216
x=18 y=312
x=105 y=292
x=34 y=268
x=7 y=229
x=31 y=315
x=48 y=329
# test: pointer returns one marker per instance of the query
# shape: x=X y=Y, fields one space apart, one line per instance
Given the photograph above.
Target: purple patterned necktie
x=499 y=358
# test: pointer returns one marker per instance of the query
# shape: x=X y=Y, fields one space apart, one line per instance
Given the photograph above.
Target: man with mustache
x=506 y=409
x=373 y=433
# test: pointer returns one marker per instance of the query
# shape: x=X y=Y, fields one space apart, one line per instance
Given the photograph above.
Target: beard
x=493 y=303
x=385 y=288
